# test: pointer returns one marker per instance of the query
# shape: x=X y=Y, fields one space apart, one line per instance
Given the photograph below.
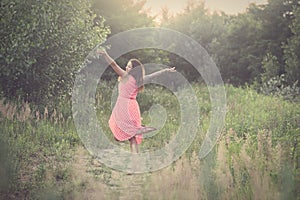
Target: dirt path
x=84 y=181
x=91 y=180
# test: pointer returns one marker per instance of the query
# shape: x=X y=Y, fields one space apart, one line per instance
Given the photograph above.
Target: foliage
x=122 y=15
x=279 y=86
x=36 y=151
x=257 y=155
x=276 y=17
x=260 y=136
x=270 y=66
x=240 y=43
x=238 y=51
x=198 y=23
x=292 y=50
x=42 y=46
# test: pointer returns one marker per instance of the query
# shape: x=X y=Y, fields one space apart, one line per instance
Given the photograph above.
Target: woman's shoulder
x=126 y=78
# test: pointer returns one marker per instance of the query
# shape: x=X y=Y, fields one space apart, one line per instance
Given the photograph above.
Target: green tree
x=292 y=51
x=182 y=21
x=271 y=67
x=238 y=50
x=199 y=24
x=276 y=17
x=122 y=15
x=250 y=37
x=42 y=46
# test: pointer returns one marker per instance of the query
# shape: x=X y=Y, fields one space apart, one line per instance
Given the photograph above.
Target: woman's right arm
x=112 y=63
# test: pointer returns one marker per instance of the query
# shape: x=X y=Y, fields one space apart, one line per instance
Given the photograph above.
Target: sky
x=175 y=6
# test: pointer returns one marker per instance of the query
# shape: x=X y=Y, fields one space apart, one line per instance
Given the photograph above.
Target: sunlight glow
x=177 y=6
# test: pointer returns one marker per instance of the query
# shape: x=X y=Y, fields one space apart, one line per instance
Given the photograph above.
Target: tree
x=42 y=46
x=250 y=37
x=292 y=51
x=199 y=24
x=276 y=17
x=238 y=50
x=271 y=67
x=122 y=15
x=182 y=22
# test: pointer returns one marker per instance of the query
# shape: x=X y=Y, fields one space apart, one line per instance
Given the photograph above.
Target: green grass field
x=256 y=157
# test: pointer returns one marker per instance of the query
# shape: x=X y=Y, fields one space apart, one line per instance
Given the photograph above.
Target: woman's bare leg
x=133 y=145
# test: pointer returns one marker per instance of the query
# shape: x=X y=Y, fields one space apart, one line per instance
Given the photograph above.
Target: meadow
x=256 y=157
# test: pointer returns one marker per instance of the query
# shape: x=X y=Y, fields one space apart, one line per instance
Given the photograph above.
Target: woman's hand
x=101 y=52
x=172 y=69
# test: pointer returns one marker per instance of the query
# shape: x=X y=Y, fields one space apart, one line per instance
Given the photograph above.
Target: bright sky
x=228 y=6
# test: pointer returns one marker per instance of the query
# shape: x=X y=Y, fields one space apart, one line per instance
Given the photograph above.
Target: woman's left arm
x=149 y=77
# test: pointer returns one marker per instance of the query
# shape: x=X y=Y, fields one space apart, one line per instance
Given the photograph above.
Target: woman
x=125 y=120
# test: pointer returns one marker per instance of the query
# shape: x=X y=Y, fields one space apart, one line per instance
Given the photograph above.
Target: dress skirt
x=125 y=120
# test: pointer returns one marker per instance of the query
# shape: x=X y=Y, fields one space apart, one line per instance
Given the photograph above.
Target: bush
x=278 y=86
x=43 y=45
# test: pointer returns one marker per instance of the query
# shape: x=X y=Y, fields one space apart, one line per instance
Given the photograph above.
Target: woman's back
x=128 y=88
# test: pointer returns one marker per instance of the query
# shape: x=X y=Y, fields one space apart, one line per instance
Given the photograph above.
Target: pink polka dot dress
x=125 y=120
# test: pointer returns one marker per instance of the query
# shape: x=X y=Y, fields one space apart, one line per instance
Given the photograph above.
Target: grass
x=34 y=152
x=256 y=157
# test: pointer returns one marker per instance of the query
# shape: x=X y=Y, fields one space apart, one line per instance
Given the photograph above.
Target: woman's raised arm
x=112 y=63
x=149 y=77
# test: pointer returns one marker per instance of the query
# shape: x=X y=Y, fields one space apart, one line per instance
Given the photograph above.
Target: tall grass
x=34 y=150
x=256 y=157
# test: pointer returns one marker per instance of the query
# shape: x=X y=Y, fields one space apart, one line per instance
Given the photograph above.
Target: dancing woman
x=125 y=120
